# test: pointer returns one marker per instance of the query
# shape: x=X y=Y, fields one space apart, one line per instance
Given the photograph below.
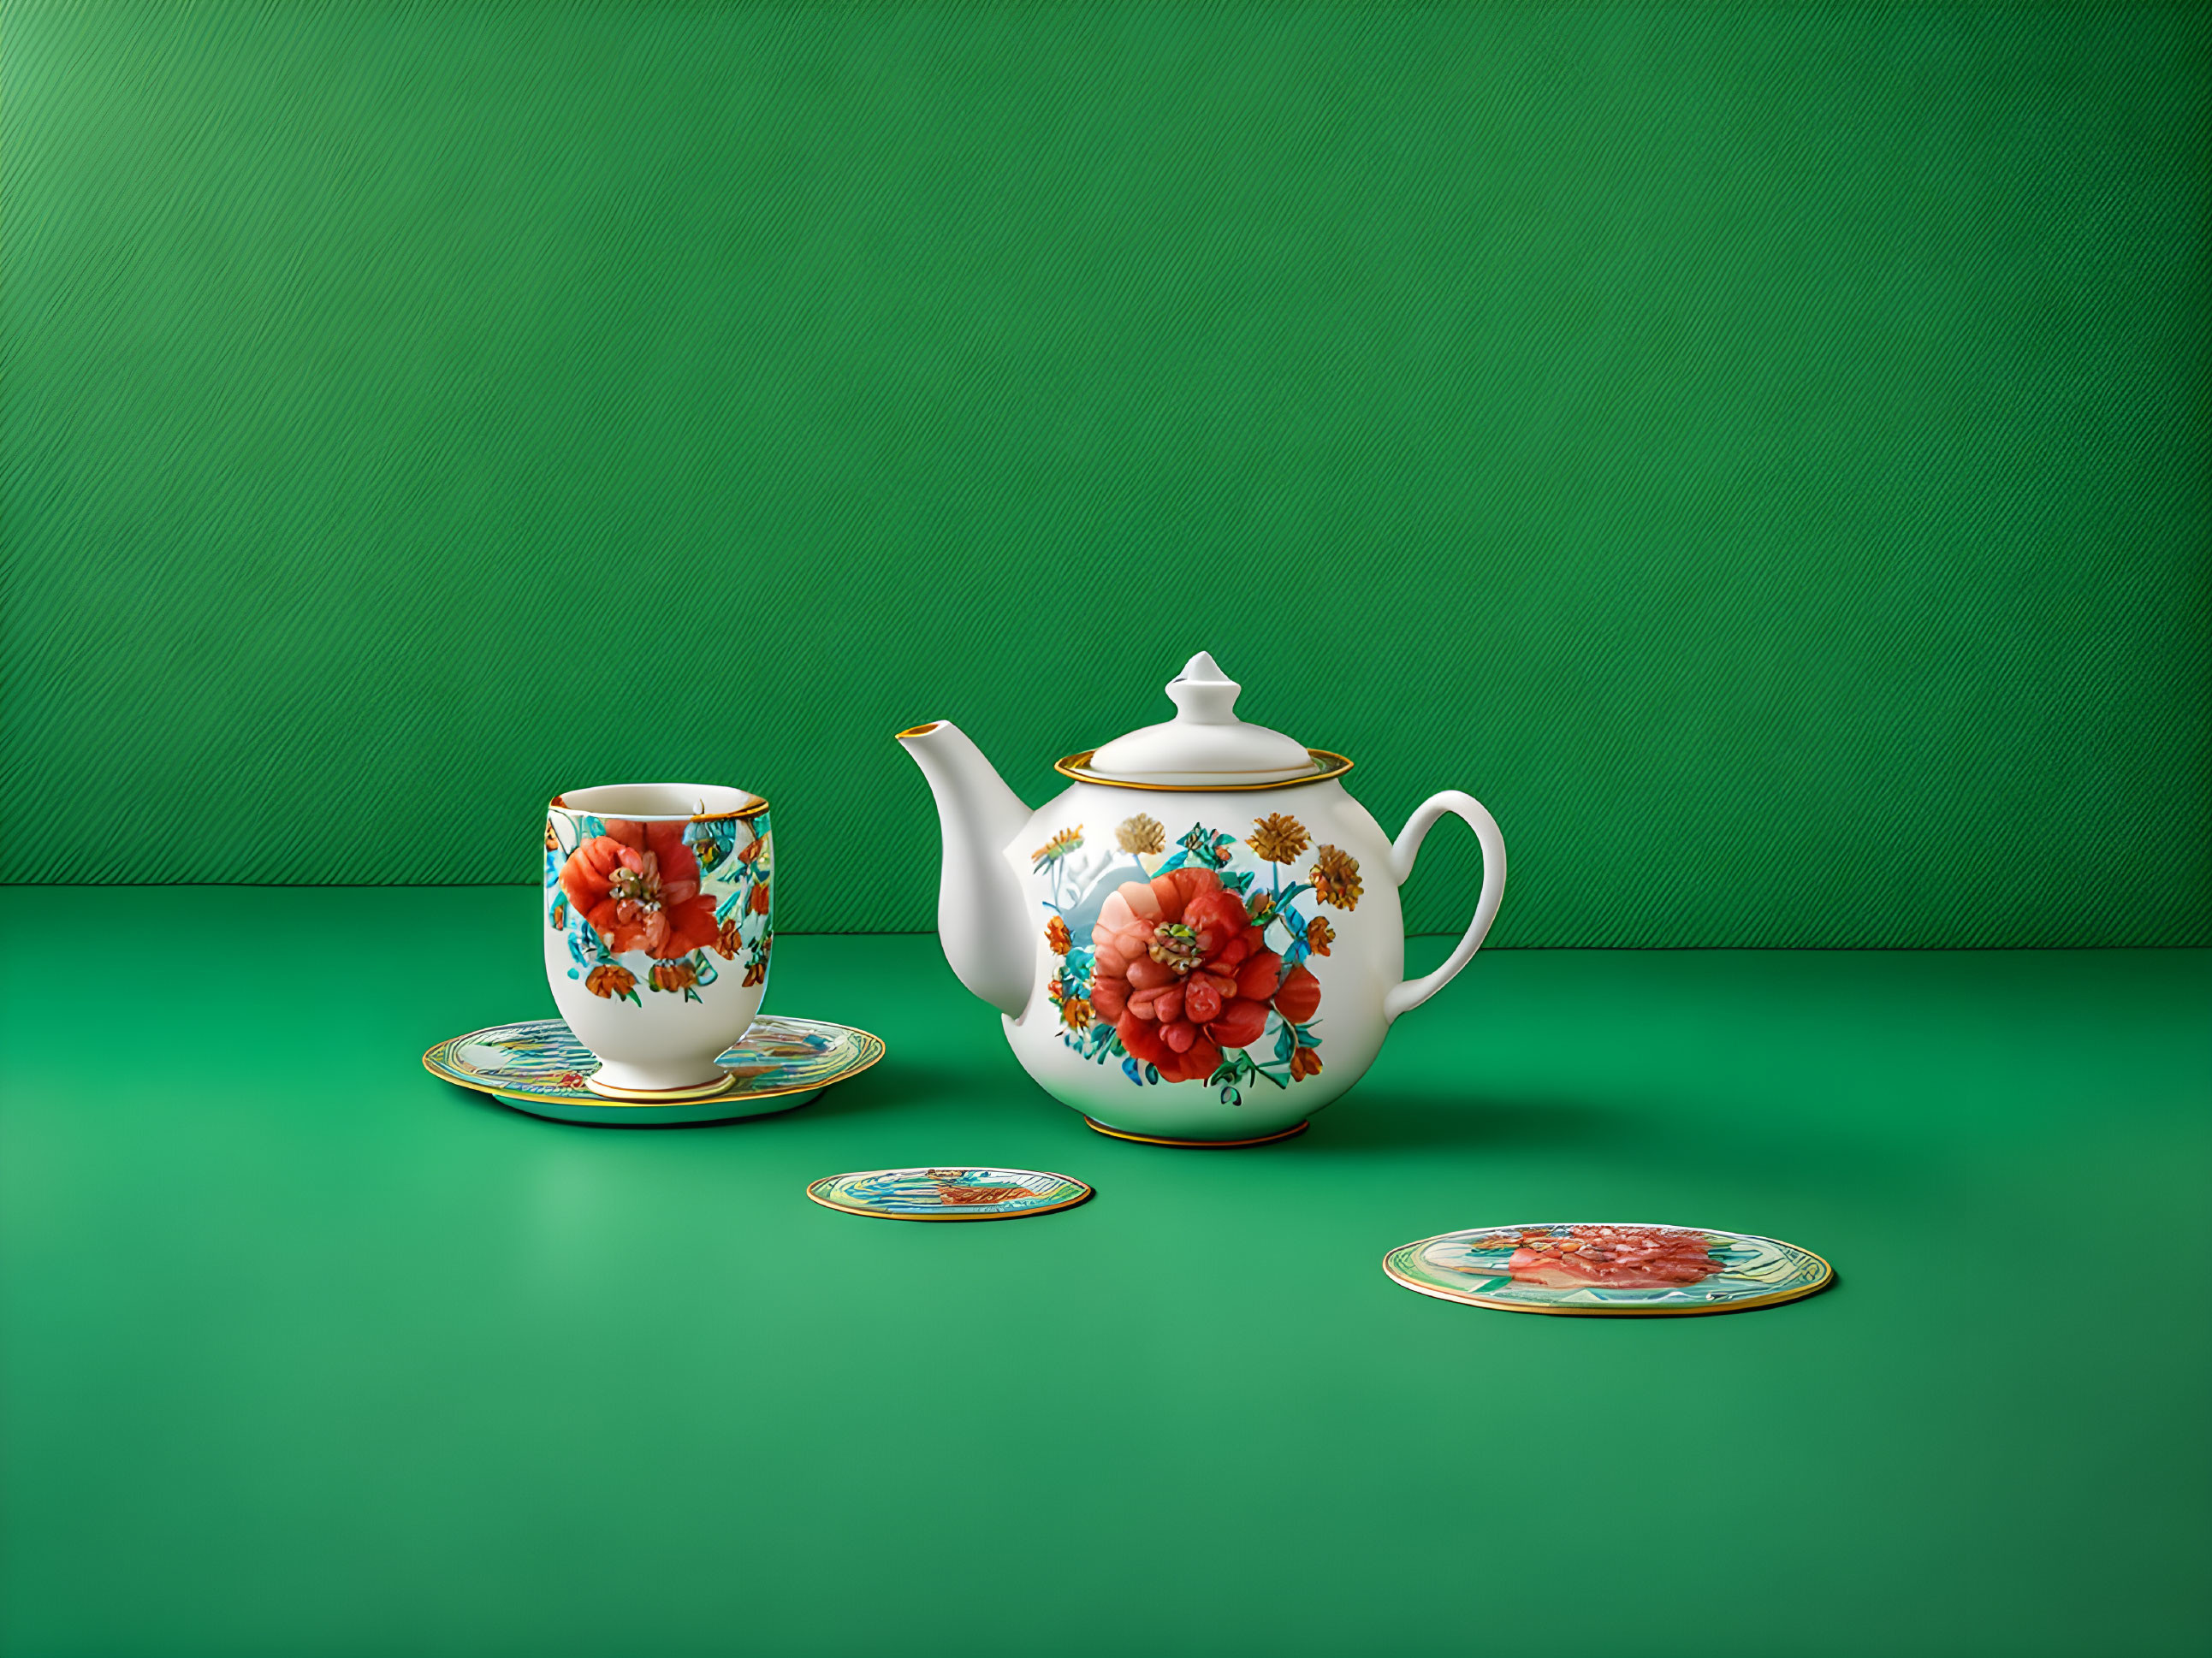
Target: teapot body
x=1200 y=942
x=1208 y=965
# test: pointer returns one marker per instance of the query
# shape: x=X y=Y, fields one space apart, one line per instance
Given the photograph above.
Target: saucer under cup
x=658 y=920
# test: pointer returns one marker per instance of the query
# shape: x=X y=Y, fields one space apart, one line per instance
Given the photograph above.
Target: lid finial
x=1204 y=695
x=1205 y=742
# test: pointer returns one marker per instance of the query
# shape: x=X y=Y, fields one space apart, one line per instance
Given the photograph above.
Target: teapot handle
x=1411 y=992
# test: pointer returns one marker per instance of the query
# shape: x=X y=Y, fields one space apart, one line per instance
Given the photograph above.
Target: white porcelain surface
x=1206 y=742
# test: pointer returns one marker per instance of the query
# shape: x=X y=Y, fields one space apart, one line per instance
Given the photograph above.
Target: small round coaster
x=948 y=1193
x=1608 y=1268
x=1098 y=1127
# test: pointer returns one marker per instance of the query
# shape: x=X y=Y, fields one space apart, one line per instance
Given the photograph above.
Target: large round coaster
x=1098 y=1127
x=1608 y=1268
x=948 y=1193
x=539 y=1067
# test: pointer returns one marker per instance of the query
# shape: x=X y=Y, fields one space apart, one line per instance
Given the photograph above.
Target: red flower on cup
x=1182 y=973
x=638 y=885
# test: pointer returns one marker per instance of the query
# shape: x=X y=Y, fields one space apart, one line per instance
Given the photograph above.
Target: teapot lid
x=1206 y=745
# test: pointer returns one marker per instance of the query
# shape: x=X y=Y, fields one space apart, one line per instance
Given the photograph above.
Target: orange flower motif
x=1182 y=973
x=1056 y=935
x=1058 y=847
x=1319 y=935
x=757 y=968
x=1075 y=1013
x=1278 y=839
x=675 y=975
x=611 y=982
x=1299 y=998
x=638 y=885
x=758 y=902
x=1335 y=877
x=1305 y=1062
x=962 y=1194
x=552 y=841
x=729 y=941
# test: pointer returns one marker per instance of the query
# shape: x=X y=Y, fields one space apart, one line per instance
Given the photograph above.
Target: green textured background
x=1763 y=453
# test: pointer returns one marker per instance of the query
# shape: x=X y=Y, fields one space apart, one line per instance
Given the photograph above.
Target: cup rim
x=572 y=800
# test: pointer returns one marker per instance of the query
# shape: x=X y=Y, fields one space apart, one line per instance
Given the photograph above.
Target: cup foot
x=658 y=1095
x=1218 y=1145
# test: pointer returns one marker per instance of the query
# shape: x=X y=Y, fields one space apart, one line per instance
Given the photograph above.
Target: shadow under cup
x=658 y=918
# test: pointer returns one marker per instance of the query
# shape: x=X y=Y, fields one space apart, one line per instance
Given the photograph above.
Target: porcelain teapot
x=1200 y=941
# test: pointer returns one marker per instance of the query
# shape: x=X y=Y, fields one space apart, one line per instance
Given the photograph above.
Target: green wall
x=1761 y=452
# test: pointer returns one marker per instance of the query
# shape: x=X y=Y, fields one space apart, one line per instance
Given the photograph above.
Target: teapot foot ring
x=1204 y=1146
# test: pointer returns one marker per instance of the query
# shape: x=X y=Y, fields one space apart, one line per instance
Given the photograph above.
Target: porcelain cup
x=659 y=919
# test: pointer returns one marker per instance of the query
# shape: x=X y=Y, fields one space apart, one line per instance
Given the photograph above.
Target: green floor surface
x=306 y=1352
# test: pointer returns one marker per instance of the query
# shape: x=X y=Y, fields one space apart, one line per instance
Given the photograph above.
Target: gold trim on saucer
x=1330 y=765
x=1097 y=1128
x=476 y=1084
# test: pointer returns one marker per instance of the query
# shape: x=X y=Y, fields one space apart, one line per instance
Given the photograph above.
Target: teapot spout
x=979 y=917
